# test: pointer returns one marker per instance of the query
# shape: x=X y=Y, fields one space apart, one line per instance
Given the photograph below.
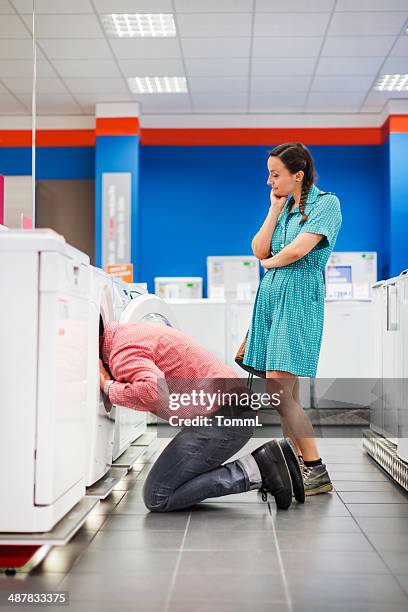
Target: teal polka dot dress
x=287 y=320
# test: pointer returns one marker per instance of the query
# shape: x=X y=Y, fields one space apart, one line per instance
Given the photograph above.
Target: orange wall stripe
x=117 y=126
x=15 y=138
x=48 y=138
x=398 y=123
x=65 y=138
x=254 y=136
x=206 y=137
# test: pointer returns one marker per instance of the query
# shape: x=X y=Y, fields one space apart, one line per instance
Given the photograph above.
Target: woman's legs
x=295 y=424
x=190 y=468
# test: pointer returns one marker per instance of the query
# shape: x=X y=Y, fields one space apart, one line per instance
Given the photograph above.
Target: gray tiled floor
x=347 y=551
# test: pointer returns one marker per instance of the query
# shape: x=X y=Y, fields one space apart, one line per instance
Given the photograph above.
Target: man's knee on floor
x=154 y=500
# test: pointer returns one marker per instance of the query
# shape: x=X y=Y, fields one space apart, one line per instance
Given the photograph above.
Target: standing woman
x=293 y=244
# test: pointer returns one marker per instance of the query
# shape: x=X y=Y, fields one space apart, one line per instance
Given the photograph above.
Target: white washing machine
x=129 y=424
x=100 y=427
x=402 y=448
x=204 y=320
x=391 y=359
x=349 y=361
x=44 y=317
x=239 y=315
x=150 y=308
x=380 y=314
x=384 y=419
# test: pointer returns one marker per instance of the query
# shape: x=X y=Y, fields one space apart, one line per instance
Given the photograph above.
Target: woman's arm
x=261 y=242
x=294 y=251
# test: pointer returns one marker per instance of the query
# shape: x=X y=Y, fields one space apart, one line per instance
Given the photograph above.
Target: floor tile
x=383 y=525
x=313 y=509
x=332 y=606
x=229 y=606
x=218 y=540
x=312 y=524
x=379 y=510
x=396 y=561
x=137 y=540
x=394 y=542
x=338 y=542
x=373 y=497
x=170 y=521
x=330 y=562
x=364 y=468
x=124 y=561
x=223 y=562
x=362 y=588
x=106 y=606
x=117 y=588
x=361 y=486
x=230 y=521
x=216 y=589
x=403 y=580
x=370 y=476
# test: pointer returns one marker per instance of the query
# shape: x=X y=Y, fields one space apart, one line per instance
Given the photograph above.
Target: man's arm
x=141 y=386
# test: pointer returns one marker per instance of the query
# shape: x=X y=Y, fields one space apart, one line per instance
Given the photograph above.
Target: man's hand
x=103 y=375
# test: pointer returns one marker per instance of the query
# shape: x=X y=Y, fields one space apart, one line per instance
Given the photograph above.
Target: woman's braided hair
x=295 y=156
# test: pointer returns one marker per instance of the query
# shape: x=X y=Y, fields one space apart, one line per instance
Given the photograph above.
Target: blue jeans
x=190 y=468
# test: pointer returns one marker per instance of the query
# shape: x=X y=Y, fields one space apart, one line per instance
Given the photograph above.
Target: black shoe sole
x=294 y=470
x=271 y=454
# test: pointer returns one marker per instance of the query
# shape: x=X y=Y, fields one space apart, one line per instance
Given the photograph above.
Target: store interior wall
x=200 y=201
x=68 y=208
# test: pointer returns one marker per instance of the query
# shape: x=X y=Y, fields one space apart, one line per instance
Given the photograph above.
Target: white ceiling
x=239 y=56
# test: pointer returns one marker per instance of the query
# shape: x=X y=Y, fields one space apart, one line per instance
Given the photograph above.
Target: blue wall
x=398 y=203
x=51 y=162
x=117 y=154
x=199 y=201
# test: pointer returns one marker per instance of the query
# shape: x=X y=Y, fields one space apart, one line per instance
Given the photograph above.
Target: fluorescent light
x=392 y=82
x=143 y=85
x=124 y=25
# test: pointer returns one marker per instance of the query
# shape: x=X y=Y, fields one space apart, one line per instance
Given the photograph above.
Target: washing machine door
x=149 y=308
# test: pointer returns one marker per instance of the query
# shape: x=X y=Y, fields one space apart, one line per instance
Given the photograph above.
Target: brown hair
x=295 y=156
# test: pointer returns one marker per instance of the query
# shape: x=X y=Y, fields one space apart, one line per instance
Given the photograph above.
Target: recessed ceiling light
x=143 y=85
x=124 y=25
x=392 y=82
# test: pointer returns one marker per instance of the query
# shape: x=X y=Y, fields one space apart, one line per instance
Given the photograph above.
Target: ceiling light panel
x=149 y=85
x=392 y=82
x=139 y=25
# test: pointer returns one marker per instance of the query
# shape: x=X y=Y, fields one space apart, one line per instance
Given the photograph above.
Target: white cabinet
x=204 y=320
x=402 y=448
x=349 y=356
x=43 y=364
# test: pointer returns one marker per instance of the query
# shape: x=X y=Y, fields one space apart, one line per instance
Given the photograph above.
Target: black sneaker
x=295 y=469
x=317 y=480
x=275 y=473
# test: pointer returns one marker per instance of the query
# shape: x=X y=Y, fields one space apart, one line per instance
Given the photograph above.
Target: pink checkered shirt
x=145 y=357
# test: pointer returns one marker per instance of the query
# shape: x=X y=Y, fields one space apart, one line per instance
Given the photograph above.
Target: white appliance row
x=389 y=414
x=348 y=351
x=53 y=422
